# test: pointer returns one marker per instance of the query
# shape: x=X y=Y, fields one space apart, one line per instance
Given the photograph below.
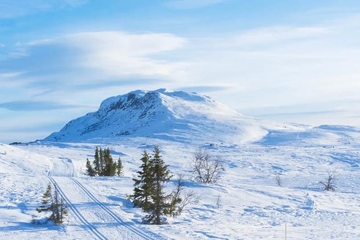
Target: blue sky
x=294 y=61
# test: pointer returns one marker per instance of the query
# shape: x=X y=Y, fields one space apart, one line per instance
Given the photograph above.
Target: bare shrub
x=218 y=203
x=180 y=199
x=278 y=179
x=329 y=183
x=206 y=167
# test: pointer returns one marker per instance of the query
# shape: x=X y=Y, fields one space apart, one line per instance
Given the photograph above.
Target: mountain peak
x=160 y=113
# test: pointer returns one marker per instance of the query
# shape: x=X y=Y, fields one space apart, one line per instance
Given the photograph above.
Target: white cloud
x=119 y=53
x=93 y=60
x=279 y=66
x=279 y=34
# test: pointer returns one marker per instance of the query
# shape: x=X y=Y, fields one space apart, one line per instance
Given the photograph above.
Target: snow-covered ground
x=246 y=203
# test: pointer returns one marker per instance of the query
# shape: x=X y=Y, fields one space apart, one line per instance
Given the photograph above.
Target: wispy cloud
x=121 y=53
x=190 y=4
x=34 y=106
x=93 y=59
x=279 y=34
x=204 y=89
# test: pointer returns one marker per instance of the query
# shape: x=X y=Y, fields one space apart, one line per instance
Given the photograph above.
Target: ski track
x=65 y=169
x=131 y=228
x=127 y=230
x=82 y=219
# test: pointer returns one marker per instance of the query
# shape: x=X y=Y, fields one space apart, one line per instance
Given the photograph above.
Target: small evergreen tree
x=46 y=202
x=109 y=168
x=143 y=184
x=97 y=161
x=149 y=190
x=52 y=202
x=104 y=164
x=159 y=206
x=119 y=168
x=90 y=170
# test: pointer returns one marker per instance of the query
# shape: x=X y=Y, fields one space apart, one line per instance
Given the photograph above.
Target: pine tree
x=109 y=164
x=55 y=216
x=97 y=161
x=46 y=200
x=58 y=208
x=90 y=170
x=159 y=205
x=143 y=184
x=52 y=202
x=102 y=163
x=119 y=167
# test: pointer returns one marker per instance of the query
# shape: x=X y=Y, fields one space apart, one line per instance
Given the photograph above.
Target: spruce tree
x=109 y=164
x=143 y=185
x=102 y=162
x=55 y=216
x=159 y=205
x=52 y=202
x=96 y=161
x=104 y=165
x=119 y=167
x=90 y=170
x=46 y=203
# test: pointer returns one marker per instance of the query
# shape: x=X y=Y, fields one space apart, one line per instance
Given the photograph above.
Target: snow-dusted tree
x=159 y=206
x=109 y=168
x=119 y=168
x=206 y=167
x=52 y=202
x=96 y=161
x=58 y=208
x=149 y=190
x=101 y=163
x=46 y=203
x=104 y=164
x=143 y=185
x=90 y=170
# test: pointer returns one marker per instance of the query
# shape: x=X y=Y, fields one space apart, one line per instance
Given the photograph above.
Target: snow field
x=246 y=203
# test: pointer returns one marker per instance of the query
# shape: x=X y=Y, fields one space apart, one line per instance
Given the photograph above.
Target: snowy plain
x=246 y=203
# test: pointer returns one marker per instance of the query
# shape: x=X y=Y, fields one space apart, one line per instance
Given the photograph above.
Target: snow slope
x=246 y=203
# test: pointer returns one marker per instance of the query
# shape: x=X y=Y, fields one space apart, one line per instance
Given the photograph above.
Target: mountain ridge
x=187 y=117
x=161 y=114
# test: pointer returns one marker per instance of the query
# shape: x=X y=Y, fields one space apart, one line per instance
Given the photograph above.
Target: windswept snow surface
x=246 y=203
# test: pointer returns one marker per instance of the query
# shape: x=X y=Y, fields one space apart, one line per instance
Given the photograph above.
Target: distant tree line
x=103 y=164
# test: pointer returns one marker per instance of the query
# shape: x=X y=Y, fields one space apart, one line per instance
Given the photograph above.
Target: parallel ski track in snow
x=92 y=228
x=131 y=228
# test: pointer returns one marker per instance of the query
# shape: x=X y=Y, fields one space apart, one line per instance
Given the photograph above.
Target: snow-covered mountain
x=165 y=115
x=187 y=118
